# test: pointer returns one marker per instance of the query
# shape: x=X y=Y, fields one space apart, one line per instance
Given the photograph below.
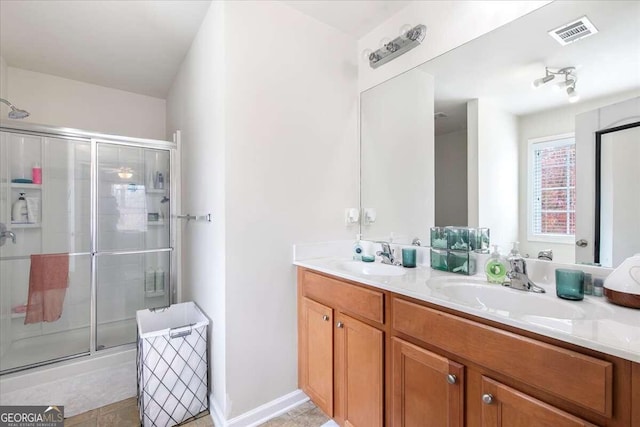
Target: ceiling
x=500 y=66
x=354 y=17
x=136 y=46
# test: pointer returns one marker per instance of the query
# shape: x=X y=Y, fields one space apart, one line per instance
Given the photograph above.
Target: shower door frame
x=95 y=138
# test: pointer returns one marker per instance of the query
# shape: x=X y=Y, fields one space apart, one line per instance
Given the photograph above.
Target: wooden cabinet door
x=506 y=407
x=427 y=389
x=358 y=374
x=316 y=353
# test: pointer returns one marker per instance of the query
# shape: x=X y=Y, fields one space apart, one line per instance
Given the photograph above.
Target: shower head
x=15 y=113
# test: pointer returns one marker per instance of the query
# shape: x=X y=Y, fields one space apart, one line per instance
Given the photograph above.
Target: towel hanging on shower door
x=48 y=282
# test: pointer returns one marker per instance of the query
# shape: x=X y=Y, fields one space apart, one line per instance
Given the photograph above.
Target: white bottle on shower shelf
x=150 y=280
x=159 y=282
x=19 y=212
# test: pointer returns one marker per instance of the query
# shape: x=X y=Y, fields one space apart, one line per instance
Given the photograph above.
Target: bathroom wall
x=451 y=178
x=449 y=24
x=492 y=150
x=3 y=87
x=548 y=123
x=195 y=106
x=57 y=101
x=274 y=155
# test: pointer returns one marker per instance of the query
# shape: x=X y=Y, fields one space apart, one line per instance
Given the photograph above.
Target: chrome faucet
x=546 y=255
x=387 y=254
x=4 y=233
x=519 y=278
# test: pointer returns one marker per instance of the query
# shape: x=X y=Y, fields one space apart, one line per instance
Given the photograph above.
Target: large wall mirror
x=466 y=139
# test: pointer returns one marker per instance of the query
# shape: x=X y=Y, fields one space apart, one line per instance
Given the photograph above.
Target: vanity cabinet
x=341 y=349
x=372 y=358
x=507 y=407
x=426 y=388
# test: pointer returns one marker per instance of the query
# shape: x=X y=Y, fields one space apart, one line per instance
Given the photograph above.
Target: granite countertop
x=591 y=323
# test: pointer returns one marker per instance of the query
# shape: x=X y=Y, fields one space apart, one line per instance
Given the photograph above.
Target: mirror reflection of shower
x=15 y=113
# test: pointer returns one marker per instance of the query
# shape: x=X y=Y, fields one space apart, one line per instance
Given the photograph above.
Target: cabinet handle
x=340 y=325
x=325 y=317
x=451 y=379
x=487 y=398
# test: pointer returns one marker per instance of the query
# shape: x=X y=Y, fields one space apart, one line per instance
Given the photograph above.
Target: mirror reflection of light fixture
x=409 y=38
x=125 y=173
x=569 y=83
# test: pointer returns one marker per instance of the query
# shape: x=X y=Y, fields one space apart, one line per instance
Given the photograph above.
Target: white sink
x=371 y=268
x=509 y=302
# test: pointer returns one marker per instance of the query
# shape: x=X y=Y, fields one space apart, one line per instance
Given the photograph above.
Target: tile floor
x=125 y=414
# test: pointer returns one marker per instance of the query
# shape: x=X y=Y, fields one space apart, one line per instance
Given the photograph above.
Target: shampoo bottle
x=357 y=249
x=496 y=267
x=19 y=212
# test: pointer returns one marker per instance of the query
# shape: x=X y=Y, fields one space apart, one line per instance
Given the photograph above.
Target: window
x=552 y=189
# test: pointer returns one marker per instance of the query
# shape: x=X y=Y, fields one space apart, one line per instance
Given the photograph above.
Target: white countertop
x=591 y=323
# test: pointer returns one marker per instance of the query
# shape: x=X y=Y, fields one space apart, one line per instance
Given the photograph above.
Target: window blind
x=554 y=187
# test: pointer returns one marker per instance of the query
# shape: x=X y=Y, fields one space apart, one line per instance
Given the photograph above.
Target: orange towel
x=48 y=282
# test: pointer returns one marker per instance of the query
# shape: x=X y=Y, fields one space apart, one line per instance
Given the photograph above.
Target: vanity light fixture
x=407 y=40
x=570 y=79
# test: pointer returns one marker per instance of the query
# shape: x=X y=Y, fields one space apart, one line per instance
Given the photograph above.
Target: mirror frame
x=596 y=237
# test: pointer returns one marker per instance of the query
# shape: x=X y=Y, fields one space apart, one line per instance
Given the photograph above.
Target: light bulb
x=365 y=55
x=384 y=41
x=543 y=80
x=404 y=30
x=573 y=95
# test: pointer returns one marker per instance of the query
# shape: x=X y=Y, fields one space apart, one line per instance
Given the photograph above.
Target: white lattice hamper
x=172 y=364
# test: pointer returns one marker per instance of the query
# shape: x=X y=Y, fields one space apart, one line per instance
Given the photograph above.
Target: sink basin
x=371 y=268
x=514 y=303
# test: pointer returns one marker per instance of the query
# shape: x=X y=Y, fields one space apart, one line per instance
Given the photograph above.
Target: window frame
x=536 y=143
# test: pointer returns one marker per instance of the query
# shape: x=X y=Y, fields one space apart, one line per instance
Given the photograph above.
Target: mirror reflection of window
x=552 y=189
x=132 y=207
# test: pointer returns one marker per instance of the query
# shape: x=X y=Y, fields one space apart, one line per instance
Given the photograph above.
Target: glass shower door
x=133 y=241
x=45 y=276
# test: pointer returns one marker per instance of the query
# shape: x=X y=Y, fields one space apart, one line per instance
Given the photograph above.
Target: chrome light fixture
x=570 y=79
x=407 y=40
x=15 y=113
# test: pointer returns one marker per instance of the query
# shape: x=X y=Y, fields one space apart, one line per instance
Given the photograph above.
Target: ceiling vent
x=440 y=115
x=573 y=31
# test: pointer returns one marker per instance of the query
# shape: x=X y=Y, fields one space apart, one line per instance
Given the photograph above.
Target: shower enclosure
x=105 y=203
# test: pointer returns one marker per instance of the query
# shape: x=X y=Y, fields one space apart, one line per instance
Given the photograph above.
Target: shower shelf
x=155 y=223
x=155 y=190
x=25 y=225
x=27 y=186
x=154 y=294
x=18 y=315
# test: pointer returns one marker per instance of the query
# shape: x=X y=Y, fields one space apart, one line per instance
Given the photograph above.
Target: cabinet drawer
x=343 y=296
x=572 y=376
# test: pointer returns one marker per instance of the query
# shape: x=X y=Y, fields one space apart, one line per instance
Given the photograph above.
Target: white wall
x=397 y=150
x=492 y=138
x=559 y=121
x=195 y=106
x=270 y=147
x=57 y=101
x=3 y=86
x=451 y=178
x=292 y=168
x=449 y=24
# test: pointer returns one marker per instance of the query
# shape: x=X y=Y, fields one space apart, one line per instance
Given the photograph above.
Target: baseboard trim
x=216 y=413
x=260 y=414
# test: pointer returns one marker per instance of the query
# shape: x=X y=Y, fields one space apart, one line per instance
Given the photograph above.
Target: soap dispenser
x=515 y=260
x=357 y=248
x=496 y=267
x=19 y=212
